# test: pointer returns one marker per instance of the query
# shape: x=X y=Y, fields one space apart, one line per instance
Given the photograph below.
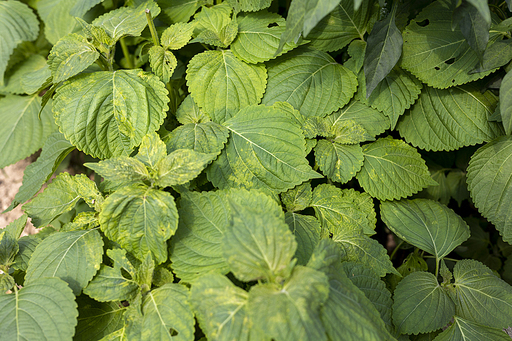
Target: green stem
x=445 y=258
x=152 y=28
x=437 y=267
x=395 y=250
x=126 y=53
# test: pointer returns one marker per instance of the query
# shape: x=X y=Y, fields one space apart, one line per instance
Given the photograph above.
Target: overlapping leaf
x=465 y=330
x=311 y=81
x=15 y=77
x=339 y=162
x=9 y=242
x=373 y=121
x=450 y=119
x=221 y=84
x=307 y=233
x=489 y=174
x=393 y=170
x=97 y=320
x=208 y=137
x=506 y=102
x=162 y=62
x=126 y=105
x=297 y=198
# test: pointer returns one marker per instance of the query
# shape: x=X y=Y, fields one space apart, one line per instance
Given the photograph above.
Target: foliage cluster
x=247 y=163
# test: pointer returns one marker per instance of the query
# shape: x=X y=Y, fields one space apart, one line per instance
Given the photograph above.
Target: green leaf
x=256 y=42
x=17 y=23
x=27 y=246
x=181 y=166
x=166 y=314
x=120 y=171
x=421 y=304
x=436 y=54
x=151 y=150
x=176 y=11
x=373 y=121
x=489 y=173
x=71 y=55
x=344 y=209
x=465 y=330
x=189 y=112
x=15 y=76
x=215 y=27
x=220 y=308
x=382 y=52
x=9 y=243
x=483 y=9
x=110 y=284
x=297 y=198
x=208 y=137
x=266 y=150
x=42 y=310
x=221 y=84
x=473 y=26
x=426 y=224
x=61 y=196
x=339 y=162
x=290 y=312
x=341 y=26
x=127 y=21
x=307 y=232
x=55 y=149
x=162 y=62
x=22 y=132
x=176 y=36
x=311 y=81
x=96 y=320
x=58 y=16
x=347 y=314
x=303 y=16
x=450 y=119
x=126 y=104
x=73 y=256
x=34 y=81
x=140 y=219
x=506 y=102
x=197 y=246
x=480 y=296
x=6 y=282
x=495 y=55
x=392 y=170
x=250 y=5
x=257 y=243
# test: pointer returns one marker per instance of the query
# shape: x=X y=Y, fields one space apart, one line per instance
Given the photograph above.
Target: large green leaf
x=291 y=311
x=341 y=26
x=140 y=219
x=480 y=296
x=483 y=8
x=307 y=234
x=127 y=21
x=55 y=149
x=197 y=247
x=221 y=84
x=436 y=54
x=464 y=330
x=421 y=304
x=256 y=42
x=373 y=121
x=339 y=162
x=166 y=315
x=42 y=310
x=73 y=256
x=506 y=102
x=392 y=170
x=124 y=105
x=58 y=16
x=220 y=308
x=347 y=314
x=208 y=137
x=71 y=55
x=426 y=224
x=450 y=119
x=96 y=320
x=22 y=131
x=311 y=81
x=61 y=196
x=266 y=150
x=257 y=243
x=342 y=209
x=17 y=23
x=489 y=174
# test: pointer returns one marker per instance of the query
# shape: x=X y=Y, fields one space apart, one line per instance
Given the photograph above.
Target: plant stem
x=395 y=250
x=445 y=258
x=152 y=28
x=126 y=53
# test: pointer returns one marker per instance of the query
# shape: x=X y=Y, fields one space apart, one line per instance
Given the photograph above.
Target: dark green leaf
x=9 y=242
x=506 y=102
x=474 y=26
x=465 y=330
x=97 y=320
x=495 y=55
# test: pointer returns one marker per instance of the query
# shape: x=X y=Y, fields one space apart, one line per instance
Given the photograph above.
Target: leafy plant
x=304 y=170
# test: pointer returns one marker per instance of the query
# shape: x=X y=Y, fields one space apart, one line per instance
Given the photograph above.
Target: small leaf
x=127 y=21
x=181 y=166
x=307 y=232
x=489 y=174
x=465 y=330
x=474 y=26
x=221 y=84
x=290 y=312
x=162 y=62
x=480 y=296
x=97 y=320
x=506 y=102
x=27 y=246
x=176 y=36
x=257 y=243
x=297 y=198
x=426 y=224
x=42 y=310
x=17 y=23
x=6 y=282
x=71 y=55
x=73 y=256
x=496 y=55
x=140 y=219
x=175 y=11
x=120 y=171
x=373 y=121
x=151 y=150
x=250 y=5
x=211 y=24
x=207 y=138
x=392 y=170
x=421 y=304
x=18 y=73
x=189 y=112
x=311 y=81
x=9 y=243
x=339 y=162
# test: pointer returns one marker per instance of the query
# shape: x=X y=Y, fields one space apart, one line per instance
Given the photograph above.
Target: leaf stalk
x=152 y=28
